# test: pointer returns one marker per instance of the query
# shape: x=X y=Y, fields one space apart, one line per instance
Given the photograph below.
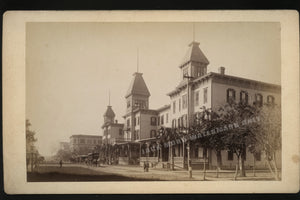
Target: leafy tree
x=64 y=155
x=31 y=151
x=268 y=135
x=30 y=137
x=240 y=116
x=206 y=122
x=169 y=136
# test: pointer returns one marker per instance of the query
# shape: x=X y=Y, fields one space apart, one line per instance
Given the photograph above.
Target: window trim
x=256 y=99
x=228 y=99
x=205 y=95
x=246 y=96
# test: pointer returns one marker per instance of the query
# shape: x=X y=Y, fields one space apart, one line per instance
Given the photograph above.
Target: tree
x=206 y=122
x=30 y=137
x=268 y=135
x=31 y=151
x=64 y=155
x=168 y=136
x=237 y=139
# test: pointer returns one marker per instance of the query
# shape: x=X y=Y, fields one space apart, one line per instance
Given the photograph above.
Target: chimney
x=222 y=70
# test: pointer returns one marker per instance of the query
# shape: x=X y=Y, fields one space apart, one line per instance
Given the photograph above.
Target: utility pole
x=188 y=125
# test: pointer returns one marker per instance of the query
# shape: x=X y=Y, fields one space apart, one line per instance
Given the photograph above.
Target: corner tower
x=137 y=95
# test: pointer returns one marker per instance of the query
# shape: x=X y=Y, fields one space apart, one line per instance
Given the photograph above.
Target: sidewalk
x=166 y=175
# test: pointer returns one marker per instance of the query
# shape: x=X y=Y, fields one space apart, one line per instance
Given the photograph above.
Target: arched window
x=270 y=99
x=230 y=95
x=244 y=97
x=258 y=100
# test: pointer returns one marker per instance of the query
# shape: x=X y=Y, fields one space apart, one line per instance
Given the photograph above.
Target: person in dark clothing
x=60 y=163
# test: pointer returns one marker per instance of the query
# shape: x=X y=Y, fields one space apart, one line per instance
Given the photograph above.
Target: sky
x=71 y=67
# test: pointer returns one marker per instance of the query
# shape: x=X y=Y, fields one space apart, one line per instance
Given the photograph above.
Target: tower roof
x=109 y=112
x=194 y=54
x=138 y=86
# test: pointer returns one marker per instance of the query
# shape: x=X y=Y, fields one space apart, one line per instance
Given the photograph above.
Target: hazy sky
x=70 y=67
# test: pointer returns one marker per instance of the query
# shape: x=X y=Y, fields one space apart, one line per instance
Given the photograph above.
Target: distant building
x=112 y=130
x=83 y=144
x=65 y=146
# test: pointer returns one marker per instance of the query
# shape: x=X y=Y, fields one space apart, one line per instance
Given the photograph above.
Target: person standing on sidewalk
x=60 y=163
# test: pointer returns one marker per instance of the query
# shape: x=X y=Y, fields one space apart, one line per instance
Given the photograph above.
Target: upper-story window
x=158 y=120
x=244 y=97
x=134 y=121
x=199 y=71
x=179 y=105
x=174 y=123
x=185 y=72
x=162 y=120
x=120 y=131
x=197 y=98
x=184 y=101
x=270 y=99
x=82 y=141
x=74 y=141
x=258 y=100
x=174 y=107
x=152 y=133
x=205 y=95
x=153 y=121
x=230 y=95
x=138 y=120
x=128 y=122
x=140 y=104
x=167 y=117
x=137 y=134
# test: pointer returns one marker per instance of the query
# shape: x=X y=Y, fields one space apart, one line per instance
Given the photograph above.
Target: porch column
x=159 y=152
x=147 y=151
x=183 y=154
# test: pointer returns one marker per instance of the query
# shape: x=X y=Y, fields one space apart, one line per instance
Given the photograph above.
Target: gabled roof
x=194 y=54
x=138 y=86
x=109 y=112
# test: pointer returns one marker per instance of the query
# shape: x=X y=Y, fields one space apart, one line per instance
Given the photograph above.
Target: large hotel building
x=203 y=89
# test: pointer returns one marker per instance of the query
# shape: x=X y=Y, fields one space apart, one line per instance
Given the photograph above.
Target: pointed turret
x=137 y=95
x=109 y=115
x=195 y=62
x=137 y=86
x=194 y=54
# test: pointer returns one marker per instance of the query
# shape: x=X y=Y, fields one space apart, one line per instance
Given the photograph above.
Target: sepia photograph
x=155 y=101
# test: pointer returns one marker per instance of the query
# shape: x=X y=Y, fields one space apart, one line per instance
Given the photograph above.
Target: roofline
x=165 y=107
x=212 y=74
x=82 y=135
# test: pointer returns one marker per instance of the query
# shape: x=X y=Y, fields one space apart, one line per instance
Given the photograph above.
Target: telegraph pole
x=188 y=125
